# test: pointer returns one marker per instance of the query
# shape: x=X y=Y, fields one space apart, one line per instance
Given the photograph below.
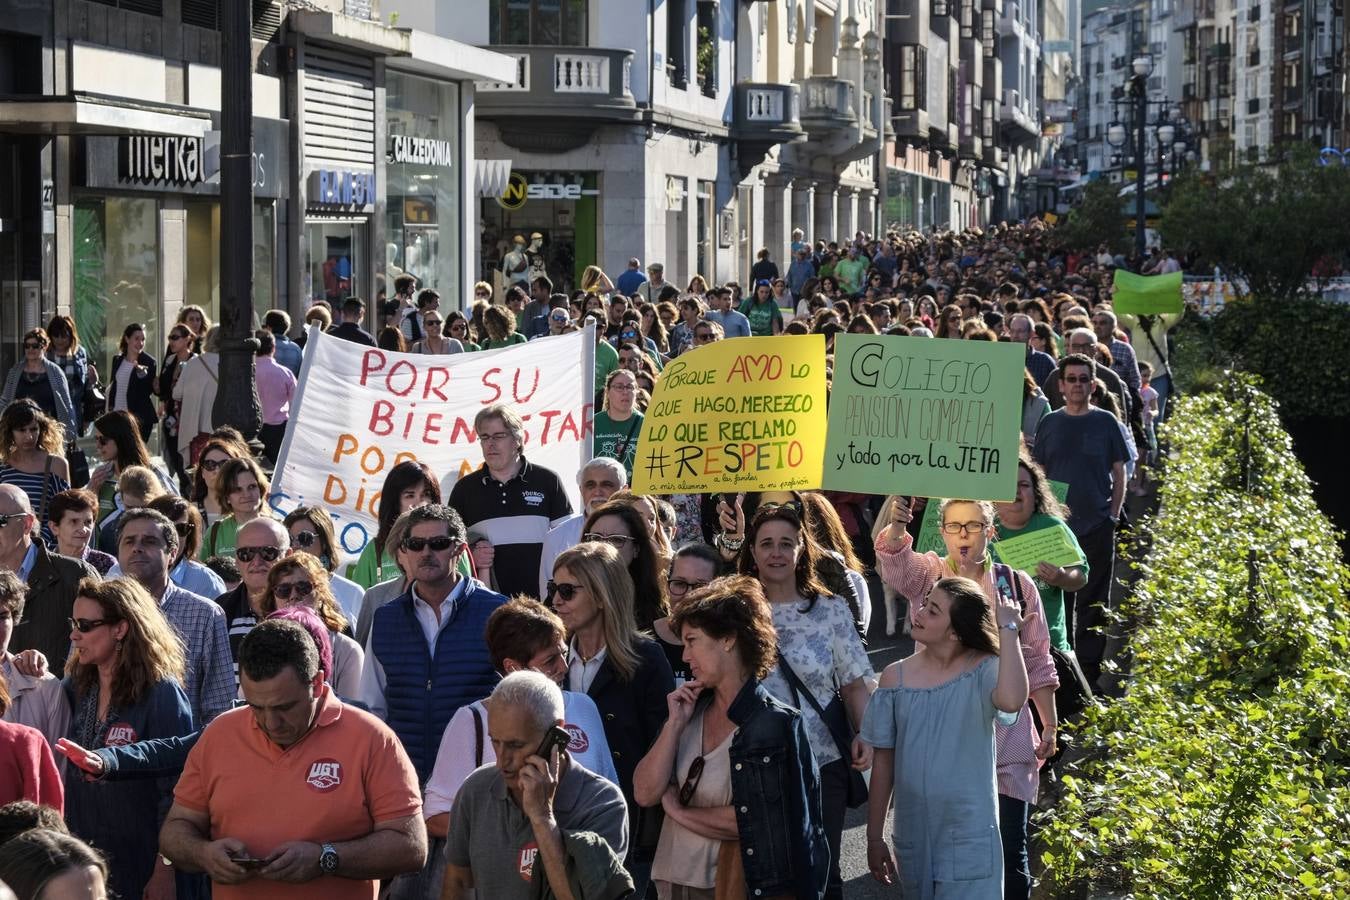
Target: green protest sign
x=1146 y=295
x=927 y=417
x=1052 y=545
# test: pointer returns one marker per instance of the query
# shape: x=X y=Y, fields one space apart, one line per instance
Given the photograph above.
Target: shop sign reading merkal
x=404 y=148
x=341 y=187
x=176 y=159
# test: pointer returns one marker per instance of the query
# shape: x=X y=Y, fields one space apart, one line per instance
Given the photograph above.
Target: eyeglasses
x=246 y=554
x=496 y=438
x=1076 y=379
x=304 y=538
x=963 y=527
x=84 y=626
x=566 y=592
x=678 y=587
x=617 y=541
x=301 y=589
x=438 y=544
x=623 y=388
x=211 y=465
x=691 y=781
x=4 y=520
x=31 y=345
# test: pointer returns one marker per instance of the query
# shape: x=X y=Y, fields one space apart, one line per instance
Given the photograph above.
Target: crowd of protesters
x=664 y=696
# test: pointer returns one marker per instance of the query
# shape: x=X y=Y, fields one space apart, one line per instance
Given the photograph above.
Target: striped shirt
x=31 y=484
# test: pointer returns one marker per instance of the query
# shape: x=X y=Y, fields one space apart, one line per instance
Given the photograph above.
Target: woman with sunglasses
x=949 y=322
x=186 y=572
x=39 y=379
x=182 y=344
x=967 y=528
x=819 y=651
x=693 y=567
x=30 y=457
x=299 y=580
x=624 y=672
x=123 y=680
x=220 y=447
x=312 y=531
x=457 y=327
x=117 y=441
x=620 y=524
x=725 y=740
x=241 y=489
x=434 y=340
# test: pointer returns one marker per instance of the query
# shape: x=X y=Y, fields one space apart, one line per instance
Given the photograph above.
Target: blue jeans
x=1163 y=385
x=1012 y=826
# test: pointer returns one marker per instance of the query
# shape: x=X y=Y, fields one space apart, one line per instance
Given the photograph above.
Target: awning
x=363 y=35
x=94 y=114
x=491 y=175
x=439 y=57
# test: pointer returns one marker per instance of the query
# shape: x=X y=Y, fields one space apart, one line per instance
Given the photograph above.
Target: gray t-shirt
x=1080 y=451
x=490 y=835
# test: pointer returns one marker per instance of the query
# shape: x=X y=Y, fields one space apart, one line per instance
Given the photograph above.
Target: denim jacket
x=776 y=794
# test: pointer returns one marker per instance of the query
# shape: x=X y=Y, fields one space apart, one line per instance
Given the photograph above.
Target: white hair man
x=599 y=479
x=556 y=813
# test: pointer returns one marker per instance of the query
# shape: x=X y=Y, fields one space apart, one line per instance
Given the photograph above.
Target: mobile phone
x=554 y=737
x=251 y=863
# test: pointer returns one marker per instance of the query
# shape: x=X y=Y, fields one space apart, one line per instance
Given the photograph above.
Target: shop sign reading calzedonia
x=405 y=148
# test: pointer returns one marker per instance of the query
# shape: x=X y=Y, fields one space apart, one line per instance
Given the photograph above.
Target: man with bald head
x=52 y=579
x=258 y=545
x=147 y=548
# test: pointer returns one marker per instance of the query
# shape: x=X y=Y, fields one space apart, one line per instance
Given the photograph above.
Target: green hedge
x=1225 y=770
x=1297 y=347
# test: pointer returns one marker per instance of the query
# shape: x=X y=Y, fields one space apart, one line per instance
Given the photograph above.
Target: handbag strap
x=477 y=736
x=841 y=743
x=1167 y=365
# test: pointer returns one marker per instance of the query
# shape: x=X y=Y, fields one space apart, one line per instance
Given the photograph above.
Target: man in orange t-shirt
x=297 y=796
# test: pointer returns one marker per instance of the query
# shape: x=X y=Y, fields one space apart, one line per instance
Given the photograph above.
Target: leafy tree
x=1097 y=219
x=1274 y=227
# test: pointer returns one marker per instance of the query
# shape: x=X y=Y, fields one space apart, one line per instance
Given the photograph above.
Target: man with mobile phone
x=561 y=823
x=296 y=796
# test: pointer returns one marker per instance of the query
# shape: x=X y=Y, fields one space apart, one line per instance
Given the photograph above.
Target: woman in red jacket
x=27 y=768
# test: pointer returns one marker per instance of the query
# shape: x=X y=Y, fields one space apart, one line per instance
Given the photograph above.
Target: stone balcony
x=559 y=96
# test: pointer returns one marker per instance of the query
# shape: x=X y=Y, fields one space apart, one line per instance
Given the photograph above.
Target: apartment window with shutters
x=913 y=69
x=967 y=19
x=988 y=34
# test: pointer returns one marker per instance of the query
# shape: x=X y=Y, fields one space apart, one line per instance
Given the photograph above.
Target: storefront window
x=116 y=273
x=203 y=257
x=561 y=208
x=423 y=225
x=337 y=253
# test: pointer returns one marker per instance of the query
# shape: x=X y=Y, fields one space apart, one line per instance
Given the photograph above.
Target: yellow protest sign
x=739 y=415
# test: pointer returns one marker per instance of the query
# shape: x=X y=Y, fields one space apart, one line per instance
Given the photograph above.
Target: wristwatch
x=328 y=860
x=1010 y=626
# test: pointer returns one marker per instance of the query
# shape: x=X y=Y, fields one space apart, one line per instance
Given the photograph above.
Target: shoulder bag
x=835 y=717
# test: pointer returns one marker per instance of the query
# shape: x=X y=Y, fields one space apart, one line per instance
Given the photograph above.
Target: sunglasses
x=794 y=505
x=617 y=541
x=211 y=465
x=183 y=528
x=84 y=626
x=417 y=545
x=4 y=520
x=29 y=345
x=304 y=538
x=691 y=781
x=564 y=591
x=246 y=554
x=177 y=337
x=300 y=588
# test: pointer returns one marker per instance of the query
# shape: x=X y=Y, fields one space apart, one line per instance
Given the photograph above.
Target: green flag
x=1147 y=295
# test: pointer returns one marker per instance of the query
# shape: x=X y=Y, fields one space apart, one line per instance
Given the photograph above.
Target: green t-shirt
x=606 y=361
x=849 y=273
x=761 y=316
x=612 y=436
x=220 y=538
x=515 y=338
x=1052 y=598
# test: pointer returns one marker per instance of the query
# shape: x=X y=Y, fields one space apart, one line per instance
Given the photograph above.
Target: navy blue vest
x=423 y=691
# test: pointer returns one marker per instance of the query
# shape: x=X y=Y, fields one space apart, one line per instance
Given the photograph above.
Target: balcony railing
x=827 y=103
x=560 y=77
x=768 y=112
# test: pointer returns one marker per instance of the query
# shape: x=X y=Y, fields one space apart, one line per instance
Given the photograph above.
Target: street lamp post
x=1117 y=134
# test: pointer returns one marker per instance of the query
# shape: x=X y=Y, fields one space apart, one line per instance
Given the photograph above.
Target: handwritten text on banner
x=936 y=418
x=361 y=411
x=742 y=415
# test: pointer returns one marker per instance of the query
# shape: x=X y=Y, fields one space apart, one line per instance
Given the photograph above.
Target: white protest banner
x=360 y=411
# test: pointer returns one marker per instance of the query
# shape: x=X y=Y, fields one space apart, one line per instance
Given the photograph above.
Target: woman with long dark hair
x=931 y=723
x=131 y=380
x=223 y=445
x=118 y=444
x=408 y=484
x=619 y=524
x=30 y=457
x=819 y=652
